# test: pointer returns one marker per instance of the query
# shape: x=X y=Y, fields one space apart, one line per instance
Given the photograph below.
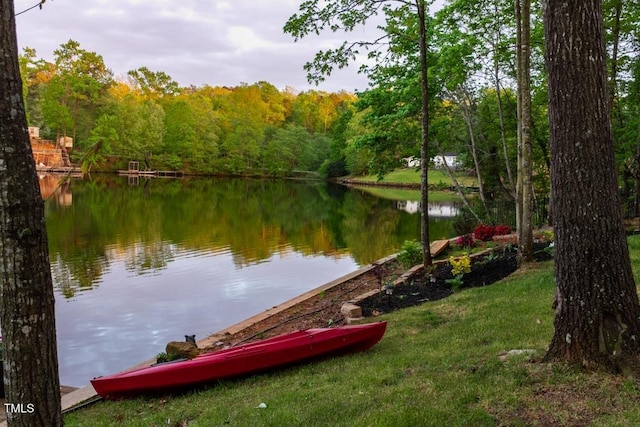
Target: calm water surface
x=139 y=263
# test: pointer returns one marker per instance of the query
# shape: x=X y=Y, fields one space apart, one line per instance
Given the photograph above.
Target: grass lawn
x=404 y=194
x=412 y=176
x=441 y=363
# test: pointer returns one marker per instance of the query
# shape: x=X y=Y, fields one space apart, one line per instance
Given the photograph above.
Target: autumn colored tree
x=26 y=290
x=597 y=311
x=153 y=84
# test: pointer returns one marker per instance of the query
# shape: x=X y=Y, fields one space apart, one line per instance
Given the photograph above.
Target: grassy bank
x=404 y=194
x=412 y=176
x=441 y=363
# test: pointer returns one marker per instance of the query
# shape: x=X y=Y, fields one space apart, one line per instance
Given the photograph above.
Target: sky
x=196 y=42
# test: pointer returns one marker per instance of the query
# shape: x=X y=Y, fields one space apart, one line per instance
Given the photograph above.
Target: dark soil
x=485 y=270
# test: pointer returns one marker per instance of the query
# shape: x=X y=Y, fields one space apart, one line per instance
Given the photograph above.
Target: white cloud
x=245 y=39
x=220 y=43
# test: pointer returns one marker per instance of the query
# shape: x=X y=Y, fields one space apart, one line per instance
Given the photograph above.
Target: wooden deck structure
x=437 y=246
x=47 y=155
x=152 y=173
x=134 y=170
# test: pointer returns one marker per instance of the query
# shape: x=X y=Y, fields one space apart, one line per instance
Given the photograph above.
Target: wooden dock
x=133 y=170
x=151 y=173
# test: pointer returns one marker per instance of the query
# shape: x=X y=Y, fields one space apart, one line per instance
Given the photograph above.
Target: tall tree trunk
x=636 y=178
x=424 y=146
x=615 y=34
x=456 y=183
x=465 y=102
x=597 y=311
x=524 y=208
x=27 y=313
x=503 y=134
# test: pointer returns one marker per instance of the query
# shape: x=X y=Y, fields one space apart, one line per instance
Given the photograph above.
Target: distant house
x=450 y=159
x=411 y=162
x=436 y=210
x=438 y=161
x=46 y=153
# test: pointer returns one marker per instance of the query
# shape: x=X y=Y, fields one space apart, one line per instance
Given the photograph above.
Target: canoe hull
x=262 y=355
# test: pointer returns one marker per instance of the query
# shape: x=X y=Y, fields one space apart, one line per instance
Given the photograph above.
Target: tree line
x=148 y=117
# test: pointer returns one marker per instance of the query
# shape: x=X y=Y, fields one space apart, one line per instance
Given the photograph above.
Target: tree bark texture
x=424 y=146
x=597 y=312
x=524 y=205
x=27 y=312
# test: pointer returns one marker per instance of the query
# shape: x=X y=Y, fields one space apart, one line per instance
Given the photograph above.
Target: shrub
x=465 y=241
x=164 y=357
x=461 y=265
x=441 y=186
x=501 y=230
x=484 y=232
x=464 y=223
x=333 y=168
x=410 y=253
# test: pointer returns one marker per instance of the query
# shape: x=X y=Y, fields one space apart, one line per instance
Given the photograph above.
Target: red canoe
x=236 y=361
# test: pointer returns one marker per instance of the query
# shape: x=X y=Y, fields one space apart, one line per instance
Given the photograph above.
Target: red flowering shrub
x=465 y=241
x=501 y=230
x=484 y=232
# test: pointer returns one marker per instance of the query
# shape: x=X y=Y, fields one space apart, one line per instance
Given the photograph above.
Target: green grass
x=438 y=364
x=404 y=194
x=412 y=176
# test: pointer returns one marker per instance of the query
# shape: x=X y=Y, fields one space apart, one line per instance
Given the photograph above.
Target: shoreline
x=86 y=394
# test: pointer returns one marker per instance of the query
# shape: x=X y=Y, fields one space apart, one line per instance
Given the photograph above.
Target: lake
x=137 y=263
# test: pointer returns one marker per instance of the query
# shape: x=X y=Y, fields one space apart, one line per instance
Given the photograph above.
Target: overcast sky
x=196 y=42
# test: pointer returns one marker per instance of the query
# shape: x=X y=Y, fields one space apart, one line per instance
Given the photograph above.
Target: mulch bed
x=485 y=270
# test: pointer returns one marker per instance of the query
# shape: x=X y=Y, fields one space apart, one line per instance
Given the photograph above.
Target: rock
x=351 y=310
x=518 y=352
x=182 y=349
x=353 y=320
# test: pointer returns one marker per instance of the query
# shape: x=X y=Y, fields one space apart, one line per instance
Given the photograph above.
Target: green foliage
x=105 y=132
x=459 y=267
x=165 y=357
x=410 y=253
x=456 y=282
x=333 y=168
x=73 y=94
x=153 y=84
x=191 y=131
